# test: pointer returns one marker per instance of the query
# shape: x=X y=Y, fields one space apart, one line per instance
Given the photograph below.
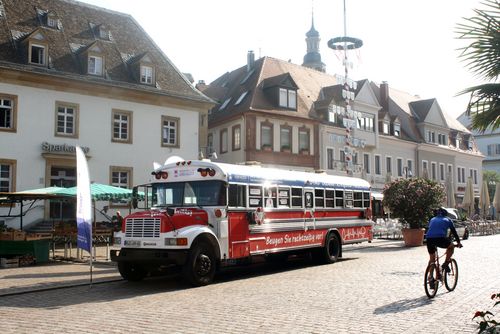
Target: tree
x=482 y=57
x=413 y=200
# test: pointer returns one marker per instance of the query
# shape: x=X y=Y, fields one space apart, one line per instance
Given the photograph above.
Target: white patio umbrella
x=450 y=192
x=468 y=201
x=484 y=200
x=496 y=201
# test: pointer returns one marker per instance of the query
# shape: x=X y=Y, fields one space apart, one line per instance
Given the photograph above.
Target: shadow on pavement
x=403 y=305
x=117 y=290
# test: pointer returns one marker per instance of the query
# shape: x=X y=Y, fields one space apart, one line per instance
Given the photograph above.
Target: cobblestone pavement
x=375 y=288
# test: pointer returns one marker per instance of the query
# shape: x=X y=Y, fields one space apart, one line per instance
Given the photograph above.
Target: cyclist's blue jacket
x=438 y=227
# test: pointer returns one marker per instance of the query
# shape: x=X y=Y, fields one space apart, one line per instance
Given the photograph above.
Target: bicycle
x=434 y=276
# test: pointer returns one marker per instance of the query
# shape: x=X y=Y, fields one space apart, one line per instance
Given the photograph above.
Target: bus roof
x=255 y=174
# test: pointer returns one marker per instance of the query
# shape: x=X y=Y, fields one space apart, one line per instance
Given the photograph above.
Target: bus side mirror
x=134 y=198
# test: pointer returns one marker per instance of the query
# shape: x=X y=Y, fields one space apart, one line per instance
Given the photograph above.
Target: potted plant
x=285 y=148
x=266 y=147
x=413 y=201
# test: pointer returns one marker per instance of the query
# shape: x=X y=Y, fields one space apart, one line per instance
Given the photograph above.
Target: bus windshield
x=198 y=193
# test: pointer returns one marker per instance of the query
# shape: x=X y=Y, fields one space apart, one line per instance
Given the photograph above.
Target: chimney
x=384 y=95
x=201 y=86
x=250 y=60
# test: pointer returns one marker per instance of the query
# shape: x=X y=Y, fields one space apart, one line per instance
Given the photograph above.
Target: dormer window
x=37 y=54
x=397 y=130
x=146 y=75
x=385 y=128
x=95 y=65
x=288 y=98
x=51 y=21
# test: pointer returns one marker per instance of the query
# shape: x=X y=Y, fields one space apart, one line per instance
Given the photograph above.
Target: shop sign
x=61 y=148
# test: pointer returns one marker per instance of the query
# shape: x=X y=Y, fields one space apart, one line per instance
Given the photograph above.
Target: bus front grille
x=142 y=228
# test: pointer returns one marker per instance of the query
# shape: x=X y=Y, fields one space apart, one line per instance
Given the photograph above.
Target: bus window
x=284 y=197
x=366 y=199
x=296 y=197
x=270 y=197
x=308 y=199
x=208 y=193
x=254 y=196
x=319 y=195
x=358 y=199
x=330 y=198
x=339 y=199
x=238 y=195
x=348 y=198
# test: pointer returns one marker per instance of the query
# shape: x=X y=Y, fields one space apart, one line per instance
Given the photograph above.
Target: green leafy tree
x=482 y=57
x=413 y=200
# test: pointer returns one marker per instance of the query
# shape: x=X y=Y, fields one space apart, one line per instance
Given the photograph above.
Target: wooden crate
x=9 y=263
x=18 y=236
x=6 y=236
x=38 y=236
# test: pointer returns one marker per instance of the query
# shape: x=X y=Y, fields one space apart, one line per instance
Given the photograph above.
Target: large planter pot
x=413 y=236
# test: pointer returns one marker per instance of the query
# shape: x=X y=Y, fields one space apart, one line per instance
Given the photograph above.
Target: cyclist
x=437 y=237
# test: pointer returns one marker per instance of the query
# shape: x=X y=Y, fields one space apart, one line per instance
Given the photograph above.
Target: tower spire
x=312 y=59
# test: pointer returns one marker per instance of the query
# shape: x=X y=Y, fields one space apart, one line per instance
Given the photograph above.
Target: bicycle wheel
x=431 y=283
x=451 y=278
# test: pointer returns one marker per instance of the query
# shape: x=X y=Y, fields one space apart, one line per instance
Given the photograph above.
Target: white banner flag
x=83 y=203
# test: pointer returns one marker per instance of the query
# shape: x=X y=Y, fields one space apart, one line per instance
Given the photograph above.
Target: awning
x=377 y=196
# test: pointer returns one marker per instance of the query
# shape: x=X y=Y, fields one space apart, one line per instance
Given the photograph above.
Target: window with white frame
x=266 y=136
x=236 y=137
x=342 y=156
x=397 y=130
x=378 y=170
x=8 y=108
x=385 y=128
x=7 y=175
x=146 y=74
x=285 y=138
x=388 y=164
x=365 y=122
x=210 y=143
x=409 y=168
x=95 y=65
x=288 y=98
x=461 y=174
x=399 y=165
x=441 y=172
x=37 y=54
x=122 y=126
x=433 y=171
x=66 y=119
x=366 y=163
x=330 y=158
x=304 y=140
x=450 y=171
x=425 y=167
x=121 y=177
x=169 y=131
x=223 y=140
x=441 y=139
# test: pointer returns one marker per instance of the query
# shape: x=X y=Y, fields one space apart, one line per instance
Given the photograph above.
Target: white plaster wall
x=36 y=122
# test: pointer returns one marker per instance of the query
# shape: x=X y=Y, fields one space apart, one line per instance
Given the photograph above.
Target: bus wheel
x=331 y=250
x=200 y=267
x=131 y=271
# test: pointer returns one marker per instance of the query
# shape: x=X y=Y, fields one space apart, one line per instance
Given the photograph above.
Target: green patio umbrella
x=102 y=192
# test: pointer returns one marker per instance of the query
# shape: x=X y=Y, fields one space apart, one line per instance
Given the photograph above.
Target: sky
x=410 y=44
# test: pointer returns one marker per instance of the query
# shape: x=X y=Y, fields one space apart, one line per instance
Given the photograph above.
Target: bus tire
x=331 y=251
x=131 y=271
x=201 y=264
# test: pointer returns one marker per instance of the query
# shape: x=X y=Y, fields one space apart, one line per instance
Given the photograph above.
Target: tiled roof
x=233 y=84
x=78 y=29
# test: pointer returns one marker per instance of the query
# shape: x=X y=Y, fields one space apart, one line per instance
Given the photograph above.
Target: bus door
x=309 y=220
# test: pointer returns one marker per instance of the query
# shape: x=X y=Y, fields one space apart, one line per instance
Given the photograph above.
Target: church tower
x=312 y=59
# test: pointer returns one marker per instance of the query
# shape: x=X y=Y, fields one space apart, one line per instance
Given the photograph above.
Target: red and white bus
x=203 y=215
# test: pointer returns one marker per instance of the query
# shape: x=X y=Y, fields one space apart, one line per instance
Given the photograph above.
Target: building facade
x=73 y=74
x=488 y=142
x=289 y=116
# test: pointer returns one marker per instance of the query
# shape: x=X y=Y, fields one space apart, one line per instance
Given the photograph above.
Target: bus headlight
x=176 y=242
